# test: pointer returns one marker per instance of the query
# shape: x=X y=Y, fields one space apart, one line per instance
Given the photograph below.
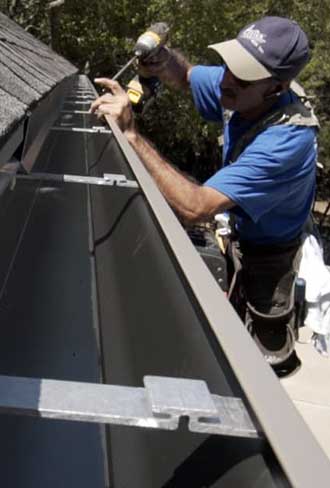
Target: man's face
x=244 y=96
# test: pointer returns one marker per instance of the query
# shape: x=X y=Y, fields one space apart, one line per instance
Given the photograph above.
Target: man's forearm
x=191 y=201
x=180 y=193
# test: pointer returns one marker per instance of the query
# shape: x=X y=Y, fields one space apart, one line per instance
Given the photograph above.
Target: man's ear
x=277 y=90
x=285 y=85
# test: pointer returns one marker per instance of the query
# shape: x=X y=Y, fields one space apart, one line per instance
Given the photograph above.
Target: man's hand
x=154 y=65
x=169 y=66
x=116 y=103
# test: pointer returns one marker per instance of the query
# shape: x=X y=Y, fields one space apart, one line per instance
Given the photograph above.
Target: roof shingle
x=29 y=70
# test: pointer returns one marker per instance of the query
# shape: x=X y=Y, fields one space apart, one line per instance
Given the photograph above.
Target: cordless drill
x=150 y=42
x=141 y=89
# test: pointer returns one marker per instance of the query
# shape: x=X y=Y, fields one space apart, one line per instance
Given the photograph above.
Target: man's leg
x=268 y=276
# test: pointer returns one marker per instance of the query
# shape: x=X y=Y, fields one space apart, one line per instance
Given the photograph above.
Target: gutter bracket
x=159 y=405
x=109 y=179
x=92 y=130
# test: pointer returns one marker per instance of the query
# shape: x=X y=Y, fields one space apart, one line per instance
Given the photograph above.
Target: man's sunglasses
x=243 y=83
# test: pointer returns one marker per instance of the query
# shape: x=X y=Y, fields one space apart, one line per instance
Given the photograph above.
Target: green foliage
x=99 y=35
x=30 y=14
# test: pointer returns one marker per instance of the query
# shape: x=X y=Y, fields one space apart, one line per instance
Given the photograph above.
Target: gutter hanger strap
x=157 y=406
x=109 y=179
x=92 y=130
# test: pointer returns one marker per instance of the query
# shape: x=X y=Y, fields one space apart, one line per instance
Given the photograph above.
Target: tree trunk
x=54 y=23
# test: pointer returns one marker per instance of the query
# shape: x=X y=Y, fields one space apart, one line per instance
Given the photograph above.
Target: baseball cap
x=270 y=47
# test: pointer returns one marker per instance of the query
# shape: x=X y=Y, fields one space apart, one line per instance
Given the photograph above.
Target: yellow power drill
x=140 y=89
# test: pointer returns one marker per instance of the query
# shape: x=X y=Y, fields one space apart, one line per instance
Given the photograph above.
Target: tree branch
x=56 y=3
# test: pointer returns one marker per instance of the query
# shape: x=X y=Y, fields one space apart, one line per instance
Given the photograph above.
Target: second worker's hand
x=114 y=103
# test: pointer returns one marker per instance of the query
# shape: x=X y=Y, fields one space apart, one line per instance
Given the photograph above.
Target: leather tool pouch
x=268 y=279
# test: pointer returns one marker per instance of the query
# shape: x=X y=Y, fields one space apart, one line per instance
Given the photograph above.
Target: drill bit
x=124 y=68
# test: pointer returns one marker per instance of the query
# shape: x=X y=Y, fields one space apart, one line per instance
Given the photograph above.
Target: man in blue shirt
x=268 y=179
x=272 y=182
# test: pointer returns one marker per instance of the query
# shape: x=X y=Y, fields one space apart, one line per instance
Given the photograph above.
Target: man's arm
x=194 y=203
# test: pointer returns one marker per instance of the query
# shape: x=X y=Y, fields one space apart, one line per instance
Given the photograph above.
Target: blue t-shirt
x=273 y=180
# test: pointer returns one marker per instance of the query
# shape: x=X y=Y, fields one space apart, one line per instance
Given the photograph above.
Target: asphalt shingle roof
x=29 y=70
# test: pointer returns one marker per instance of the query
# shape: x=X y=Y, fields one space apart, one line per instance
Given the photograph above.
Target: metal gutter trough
x=122 y=364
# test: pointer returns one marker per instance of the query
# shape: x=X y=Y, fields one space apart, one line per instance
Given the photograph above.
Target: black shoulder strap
x=297 y=113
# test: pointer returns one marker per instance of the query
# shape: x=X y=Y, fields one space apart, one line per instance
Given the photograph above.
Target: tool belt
x=262 y=290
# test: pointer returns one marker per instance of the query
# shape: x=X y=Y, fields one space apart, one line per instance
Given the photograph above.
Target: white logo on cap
x=255 y=37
